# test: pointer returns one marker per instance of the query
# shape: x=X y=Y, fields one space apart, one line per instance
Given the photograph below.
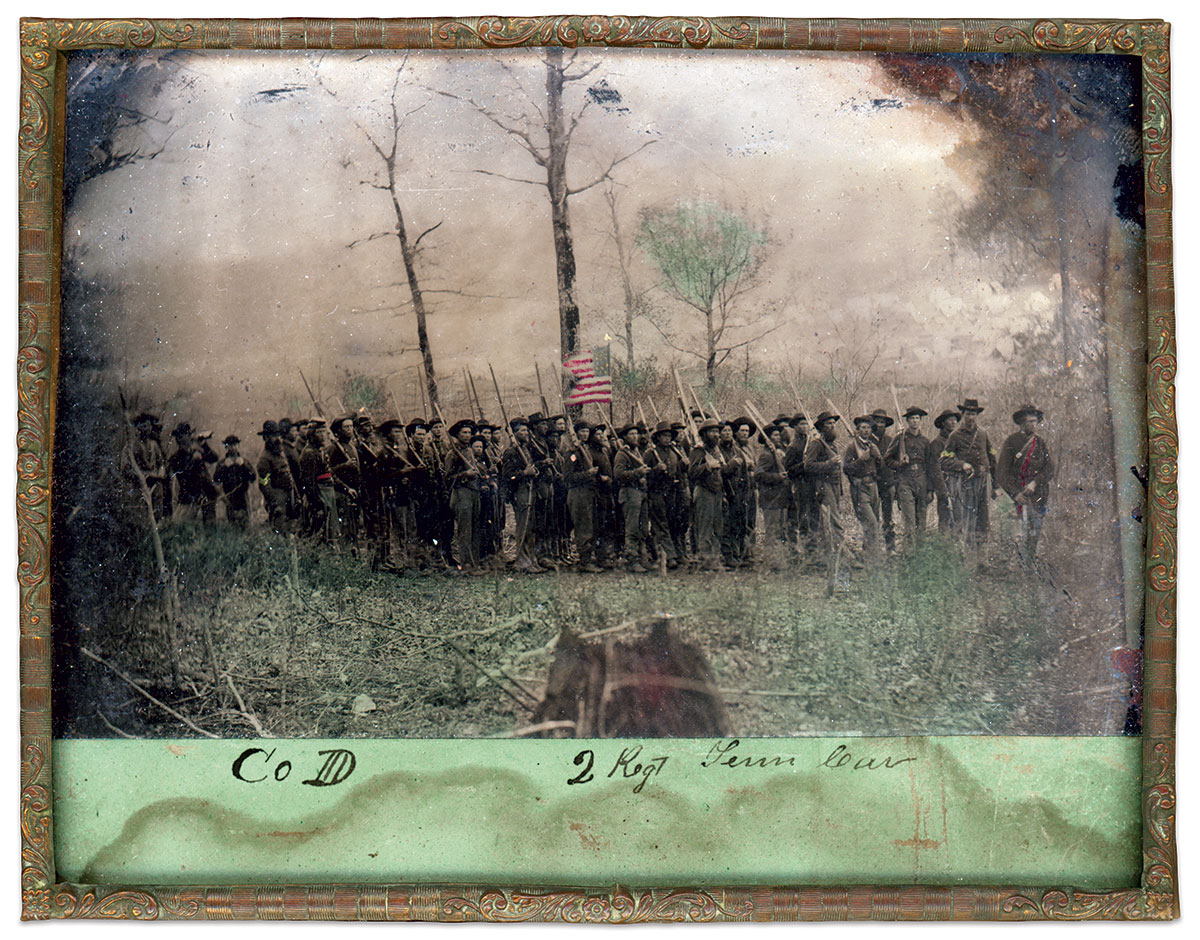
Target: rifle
x=504 y=415
x=753 y=412
x=478 y=403
x=657 y=419
x=307 y=388
x=900 y=427
x=424 y=402
x=541 y=394
x=642 y=414
x=687 y=415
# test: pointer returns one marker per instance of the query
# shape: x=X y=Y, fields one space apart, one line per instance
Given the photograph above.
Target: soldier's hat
x=582 y=424
x=363 y=418
x=698 y=414
x=231 y=439
x=641 y=426
x=482 y=438
x=600 y=426
x=285 y=424
x=663 y=427
x=626 y=429
x=516 y=423
x=269 y=429
x=882 y=416
x=556 y=417
x=181 y=429
x=434 y=422
x=738 y=422
x=915 y=412
x=941 y=419
x=487 y=426
x=314 y=424
x=389 y=424
x=797 y=418
x=457 y=426
x=826 y=416
x=709 y=424
x=773 y=427
x=415 y=424
x=869 y=419
x=340 y=418
x=1026 y=410
x=537 y=418
x=781 y=418
x=971 y=406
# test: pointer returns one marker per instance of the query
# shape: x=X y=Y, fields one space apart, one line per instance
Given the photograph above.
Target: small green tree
x=708 y=257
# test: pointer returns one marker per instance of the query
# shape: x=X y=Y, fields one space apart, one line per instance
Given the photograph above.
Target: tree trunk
x=560 y=219
x=414 y=287
x=710 y=364
x=1064 y=271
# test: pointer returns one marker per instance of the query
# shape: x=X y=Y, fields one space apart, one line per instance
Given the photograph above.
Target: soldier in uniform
x=946 y=423
x=662 y=487
x=582 y=478
x=608 y=542
x=679 y=513
x=464 y=475
x=289 y=433
x=234 y=476
x=148 y=455
x=863 y=464
x=823 y=467
x=737 y=486
x=770 y=473
x=908 y=460
x=189 y=469
x=518 y=471
x=1024 y=470
x=347 y=478
x=880 y=422
x=969 y=463
x=316 y=484
x=423 y=494
x=630 y=472
x=275 y=479
x=392 y=471
x=804 y=518
x=706 y=472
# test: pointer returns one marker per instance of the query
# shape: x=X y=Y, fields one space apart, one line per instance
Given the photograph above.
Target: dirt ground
x=317 y=645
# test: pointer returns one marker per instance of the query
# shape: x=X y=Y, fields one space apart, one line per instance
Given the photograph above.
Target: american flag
x=591 y=372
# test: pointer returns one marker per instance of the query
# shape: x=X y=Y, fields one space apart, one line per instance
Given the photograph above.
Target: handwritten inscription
x=842 y=757
x=627 y=765
x=254 y=765
x=721 y=755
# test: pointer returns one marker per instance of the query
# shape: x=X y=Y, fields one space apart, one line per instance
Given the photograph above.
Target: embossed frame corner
x=43 y=45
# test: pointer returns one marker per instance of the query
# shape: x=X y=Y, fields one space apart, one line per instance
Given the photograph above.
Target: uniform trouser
x=347 y=516
x=887 y=497
x=969 y=494
x=1029 y=523
x=864 y=494
x=808 y=510
x=733 y=536
x=328 y=526
x=523 y=500
x=679 y=518
x=635 y=514
x=912 y=500
x=276 y=502
x=945 y=519
x=543 y=517
x=708 y=506
x=831 y=531
x=581 y=501
x=464 y=503
x=776 y=519
x=661 y=535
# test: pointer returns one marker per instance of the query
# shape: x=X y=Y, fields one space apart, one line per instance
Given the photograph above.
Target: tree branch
x=605 y=175
x=511 y=179
x=426 y=232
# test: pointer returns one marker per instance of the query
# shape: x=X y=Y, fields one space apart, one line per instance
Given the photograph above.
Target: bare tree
x=634 y=300
x=388 y=151
x=709 y=258
x=545 y=134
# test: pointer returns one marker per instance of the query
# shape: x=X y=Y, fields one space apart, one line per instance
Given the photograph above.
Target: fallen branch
x=137 y=688
x=111 y=727
x=247 y=714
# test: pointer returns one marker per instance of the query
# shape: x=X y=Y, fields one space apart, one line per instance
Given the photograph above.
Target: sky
x=243 y=252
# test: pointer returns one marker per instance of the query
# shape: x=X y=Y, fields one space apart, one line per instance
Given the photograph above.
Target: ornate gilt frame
x=44 y=44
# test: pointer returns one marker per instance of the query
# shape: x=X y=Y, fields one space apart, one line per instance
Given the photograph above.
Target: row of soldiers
x=425 y=495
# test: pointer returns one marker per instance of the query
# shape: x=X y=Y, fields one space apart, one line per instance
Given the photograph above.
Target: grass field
x=316 y=645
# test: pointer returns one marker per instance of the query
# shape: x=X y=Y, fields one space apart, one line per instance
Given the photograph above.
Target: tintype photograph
x=602 y=392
